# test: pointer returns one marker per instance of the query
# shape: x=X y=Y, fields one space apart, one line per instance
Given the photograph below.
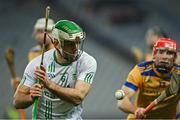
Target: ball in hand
x=119 y=94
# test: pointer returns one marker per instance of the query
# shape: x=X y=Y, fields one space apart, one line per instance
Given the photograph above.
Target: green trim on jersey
x=51 y=67
x=23 y=80
x=88 y=78
x=48 y=110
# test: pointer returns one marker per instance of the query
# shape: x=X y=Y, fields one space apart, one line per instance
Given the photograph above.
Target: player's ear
x=56 y=43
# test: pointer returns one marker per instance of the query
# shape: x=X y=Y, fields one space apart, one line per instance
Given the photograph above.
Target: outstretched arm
x=125 y=104
x=73 y=95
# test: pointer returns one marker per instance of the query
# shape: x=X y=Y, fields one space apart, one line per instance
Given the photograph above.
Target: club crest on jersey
x=149 y=82
x=63 y=77
x=63 y=81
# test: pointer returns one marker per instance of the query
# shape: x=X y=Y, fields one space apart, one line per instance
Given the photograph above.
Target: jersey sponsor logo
x=51 y=75
x=156 y=83
x=152 y=91
x=51 y=70
x=49 y=94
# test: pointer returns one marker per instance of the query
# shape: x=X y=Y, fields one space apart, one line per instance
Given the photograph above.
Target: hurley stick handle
x=36 y=101
x=45 y=33
x=9 y=55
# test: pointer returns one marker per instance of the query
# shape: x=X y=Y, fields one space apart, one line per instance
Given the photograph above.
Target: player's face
x=39 y=36
x=165 y=58
x=70 y=49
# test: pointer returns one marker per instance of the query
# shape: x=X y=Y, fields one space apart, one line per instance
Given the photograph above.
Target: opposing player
x=67 y=75
x=148 y=79
x=152 y=35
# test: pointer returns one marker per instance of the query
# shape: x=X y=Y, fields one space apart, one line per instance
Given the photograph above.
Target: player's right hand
x=36 y=90
x=139 y=113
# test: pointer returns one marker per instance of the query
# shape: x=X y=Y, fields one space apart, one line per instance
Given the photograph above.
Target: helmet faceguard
x=168 y=45
x=71 y=37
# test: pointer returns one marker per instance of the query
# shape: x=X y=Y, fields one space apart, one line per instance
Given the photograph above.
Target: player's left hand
x=41 y=74
x=139 y=113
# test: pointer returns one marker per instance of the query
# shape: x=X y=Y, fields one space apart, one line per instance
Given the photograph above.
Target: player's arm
x=125 y=104
x=73 y=95
x=82 y=86
x=129 y=88
x=22 y=98
x=27 y=89
x=25 y=95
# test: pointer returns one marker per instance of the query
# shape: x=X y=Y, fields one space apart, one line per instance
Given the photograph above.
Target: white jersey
x=50 y=106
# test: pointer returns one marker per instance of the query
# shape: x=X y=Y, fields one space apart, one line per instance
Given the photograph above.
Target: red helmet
x=165 y=43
